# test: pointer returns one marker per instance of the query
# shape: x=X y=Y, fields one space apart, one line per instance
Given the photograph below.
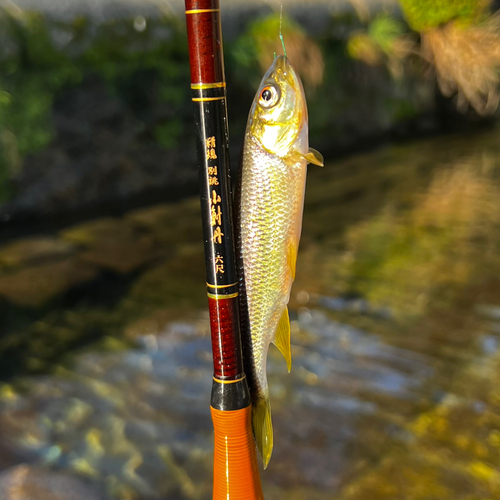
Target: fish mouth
x=282 y=66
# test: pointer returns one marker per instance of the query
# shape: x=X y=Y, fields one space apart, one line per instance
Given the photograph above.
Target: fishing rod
x=236 y=475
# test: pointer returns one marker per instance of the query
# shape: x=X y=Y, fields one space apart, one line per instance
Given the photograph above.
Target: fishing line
x=281 y=34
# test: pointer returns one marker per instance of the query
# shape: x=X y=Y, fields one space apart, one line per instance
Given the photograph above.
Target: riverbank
x=97 y=118
x=113 y=9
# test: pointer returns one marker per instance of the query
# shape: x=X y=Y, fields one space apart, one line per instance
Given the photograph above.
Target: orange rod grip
x=236 y=476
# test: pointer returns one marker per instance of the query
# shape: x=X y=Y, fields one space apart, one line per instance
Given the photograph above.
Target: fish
x=269 y=205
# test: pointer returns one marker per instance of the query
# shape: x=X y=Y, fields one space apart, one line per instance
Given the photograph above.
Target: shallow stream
x=395 y=386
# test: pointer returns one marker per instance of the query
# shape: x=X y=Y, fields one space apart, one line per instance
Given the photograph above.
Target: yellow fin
x=314 y=157
x=282 y=338
x=263 y=428
x=292 y=258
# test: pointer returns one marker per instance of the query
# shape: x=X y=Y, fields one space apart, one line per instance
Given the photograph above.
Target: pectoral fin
x=314 y=157
x=282 y=338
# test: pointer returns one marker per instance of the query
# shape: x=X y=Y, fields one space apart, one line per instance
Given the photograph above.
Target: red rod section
x=203 y=22
x=225 y=345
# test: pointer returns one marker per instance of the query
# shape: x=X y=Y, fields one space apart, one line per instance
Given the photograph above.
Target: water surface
x=395 y=316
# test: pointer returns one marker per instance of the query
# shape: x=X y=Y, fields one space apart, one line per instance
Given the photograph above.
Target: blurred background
x=105 y=358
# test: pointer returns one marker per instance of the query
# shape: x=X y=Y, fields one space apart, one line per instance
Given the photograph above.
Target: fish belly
x=270 y=218
x=272 y=193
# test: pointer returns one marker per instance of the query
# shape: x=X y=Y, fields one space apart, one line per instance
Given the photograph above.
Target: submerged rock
x=25 y=482
x=36 y=285
x=29 y=250
x=113 y=244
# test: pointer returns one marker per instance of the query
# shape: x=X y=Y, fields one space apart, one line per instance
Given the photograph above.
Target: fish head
x=279 y=110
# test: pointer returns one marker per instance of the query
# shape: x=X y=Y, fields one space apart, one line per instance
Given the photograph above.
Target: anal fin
x=282 y=338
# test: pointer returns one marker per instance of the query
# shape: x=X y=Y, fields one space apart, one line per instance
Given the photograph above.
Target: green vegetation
x=462 y=43
x=257 y=47
x=31 y=75
x=423 y=15
x=147 y=72
x=458 y=40
x=382 y=43
x=42 y=58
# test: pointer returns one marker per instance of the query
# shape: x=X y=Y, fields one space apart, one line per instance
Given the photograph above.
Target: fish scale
x=270 y=201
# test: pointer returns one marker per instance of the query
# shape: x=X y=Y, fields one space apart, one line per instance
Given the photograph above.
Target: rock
x=25 y=482
x=36 y=285
x=29 y=250
x=172 y=223
x=175 y=282
x=100 y=157
x=113 y=244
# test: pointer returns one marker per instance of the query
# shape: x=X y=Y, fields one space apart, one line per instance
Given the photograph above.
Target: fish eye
x=268 y=96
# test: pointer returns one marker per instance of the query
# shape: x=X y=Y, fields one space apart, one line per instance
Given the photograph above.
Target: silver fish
x=270 y=203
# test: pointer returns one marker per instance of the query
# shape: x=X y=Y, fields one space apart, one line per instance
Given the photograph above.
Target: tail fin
x=263 y=428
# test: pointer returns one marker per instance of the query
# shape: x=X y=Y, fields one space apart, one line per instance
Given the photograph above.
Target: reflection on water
x=394 y=390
